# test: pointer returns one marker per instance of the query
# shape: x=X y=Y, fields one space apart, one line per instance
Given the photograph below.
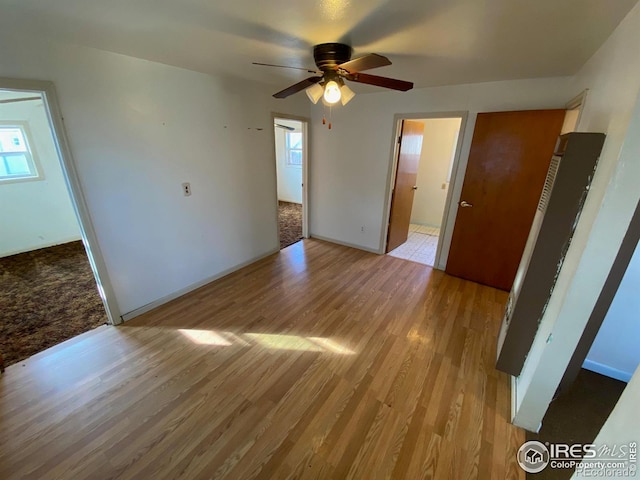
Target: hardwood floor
x=318 y=362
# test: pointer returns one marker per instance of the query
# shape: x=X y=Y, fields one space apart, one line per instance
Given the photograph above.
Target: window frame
x=32 y=157
x=288 y=149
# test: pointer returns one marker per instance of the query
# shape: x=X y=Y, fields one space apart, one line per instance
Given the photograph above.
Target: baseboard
x=607 y=371
x=194 y=286
x=425 y=224
x=345 y=244
x=39 y=247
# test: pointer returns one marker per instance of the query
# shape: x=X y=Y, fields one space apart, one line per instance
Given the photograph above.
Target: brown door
x=405 y=184
x=509 y=157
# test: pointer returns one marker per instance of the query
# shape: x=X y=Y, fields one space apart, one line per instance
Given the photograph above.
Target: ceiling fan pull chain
x=330 y=112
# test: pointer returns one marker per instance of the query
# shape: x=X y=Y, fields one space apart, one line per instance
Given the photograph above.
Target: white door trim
x=305 y=170
x=67 y=164
x=446 y=226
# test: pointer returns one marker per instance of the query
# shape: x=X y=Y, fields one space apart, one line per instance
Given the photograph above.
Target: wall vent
x=548 y=183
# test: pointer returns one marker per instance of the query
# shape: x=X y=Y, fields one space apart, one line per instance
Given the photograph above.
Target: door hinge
x=399 y=139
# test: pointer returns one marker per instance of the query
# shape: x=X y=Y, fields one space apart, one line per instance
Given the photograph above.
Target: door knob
x=465 y=204
x=414 y=188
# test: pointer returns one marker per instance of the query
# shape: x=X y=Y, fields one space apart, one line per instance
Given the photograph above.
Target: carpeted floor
x=290 y=218
x=46 y=296
x=577 y=416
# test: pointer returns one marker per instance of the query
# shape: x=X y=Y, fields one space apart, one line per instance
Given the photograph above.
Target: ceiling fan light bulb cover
x=346 y=94
x=314 y=92
x=332 y=92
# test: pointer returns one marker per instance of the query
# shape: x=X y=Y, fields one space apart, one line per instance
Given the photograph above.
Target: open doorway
x=424 y=165
x=48 y=290
x=291 y=167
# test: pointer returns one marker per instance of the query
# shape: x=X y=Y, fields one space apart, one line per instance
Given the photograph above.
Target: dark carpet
x=290 y=218
x=46 y=296
x=577 y=416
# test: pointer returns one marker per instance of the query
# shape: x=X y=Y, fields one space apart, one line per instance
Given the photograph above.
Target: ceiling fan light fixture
x=334 y=65
x=346 y=94
x=332 y=92
x=314 y=92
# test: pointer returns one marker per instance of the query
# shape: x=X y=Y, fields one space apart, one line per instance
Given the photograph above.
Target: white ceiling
x=430 y=42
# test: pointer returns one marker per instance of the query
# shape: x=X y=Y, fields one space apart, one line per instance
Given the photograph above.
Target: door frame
x=391 y=175
x=305 y=170
x=609 y=291
x=578 y=102
x=74 y=188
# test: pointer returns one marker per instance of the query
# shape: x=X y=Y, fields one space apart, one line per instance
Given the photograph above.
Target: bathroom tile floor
x=420 y=246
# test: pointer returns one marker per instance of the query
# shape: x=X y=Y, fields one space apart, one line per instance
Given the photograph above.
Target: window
x=16 y=159
x=293 y=149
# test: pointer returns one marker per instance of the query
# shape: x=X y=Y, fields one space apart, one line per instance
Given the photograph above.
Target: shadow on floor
x=577 y=416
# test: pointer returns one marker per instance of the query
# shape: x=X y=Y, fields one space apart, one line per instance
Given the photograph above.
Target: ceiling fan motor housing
x=329 y=55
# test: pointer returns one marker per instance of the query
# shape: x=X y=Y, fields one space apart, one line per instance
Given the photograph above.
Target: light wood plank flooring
x=318 y=362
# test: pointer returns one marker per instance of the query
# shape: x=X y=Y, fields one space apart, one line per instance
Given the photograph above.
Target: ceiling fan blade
x=297 y=87
x=380 y=81
x=286 y=66
x=372 y=60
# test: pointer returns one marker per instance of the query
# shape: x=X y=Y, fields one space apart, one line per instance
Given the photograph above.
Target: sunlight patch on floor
x=331 y=345
x=267 y=340
x=284 y=342
x=205 y=337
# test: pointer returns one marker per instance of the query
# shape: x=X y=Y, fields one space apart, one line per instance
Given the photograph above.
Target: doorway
x=425 y=158
x=47 y=287
x=290 y=136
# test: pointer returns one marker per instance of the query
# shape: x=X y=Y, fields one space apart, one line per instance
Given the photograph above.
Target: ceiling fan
x=334 y=66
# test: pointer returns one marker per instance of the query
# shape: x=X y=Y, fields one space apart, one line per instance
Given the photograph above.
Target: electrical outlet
x=186 y=189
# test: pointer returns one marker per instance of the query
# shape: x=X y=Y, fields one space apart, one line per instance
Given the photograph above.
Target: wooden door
x=509 y=157
x=405 y=182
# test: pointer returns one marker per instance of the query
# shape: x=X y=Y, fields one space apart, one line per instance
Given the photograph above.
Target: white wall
x=289 y=177
x=350 y=167
x=438 y=144
x=616 y=349
x=613 y=77
x=137 y=130
x=35 y=213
